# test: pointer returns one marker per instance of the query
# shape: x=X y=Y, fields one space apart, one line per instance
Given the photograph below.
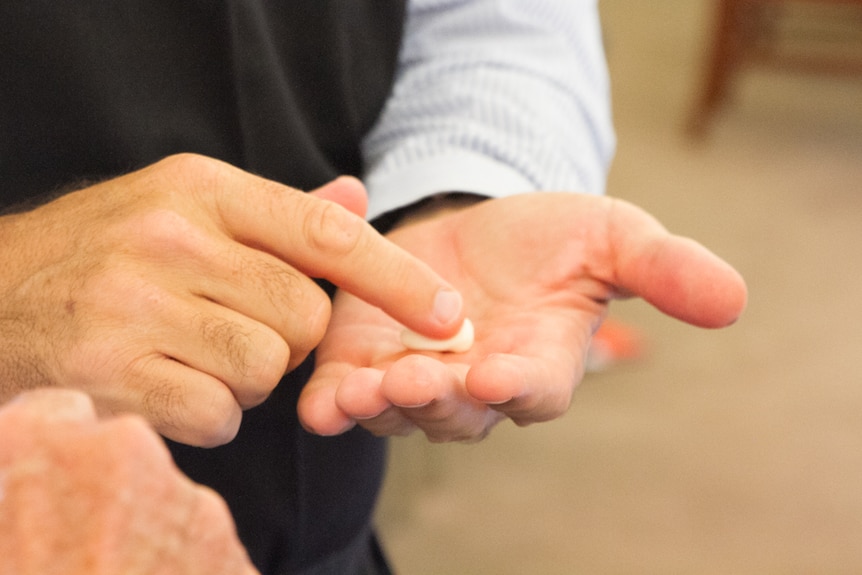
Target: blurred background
x=734 y=451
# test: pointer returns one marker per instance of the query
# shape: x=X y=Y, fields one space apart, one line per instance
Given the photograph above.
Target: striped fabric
x=494 y=97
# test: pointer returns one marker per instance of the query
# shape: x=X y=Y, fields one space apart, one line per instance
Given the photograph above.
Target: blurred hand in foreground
x=79 y=496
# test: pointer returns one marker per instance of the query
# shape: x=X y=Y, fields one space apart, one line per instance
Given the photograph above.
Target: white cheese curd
x=459 y=343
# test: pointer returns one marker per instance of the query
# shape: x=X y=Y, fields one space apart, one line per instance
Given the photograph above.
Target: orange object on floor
x=613 y=342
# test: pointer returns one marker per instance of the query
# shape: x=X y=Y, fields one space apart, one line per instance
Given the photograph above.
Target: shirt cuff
x=461 y=171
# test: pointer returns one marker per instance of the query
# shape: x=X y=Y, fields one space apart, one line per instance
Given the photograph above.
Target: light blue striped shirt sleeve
x=495 y=97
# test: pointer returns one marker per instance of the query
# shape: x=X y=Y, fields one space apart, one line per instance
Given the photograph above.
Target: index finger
x=325 y=240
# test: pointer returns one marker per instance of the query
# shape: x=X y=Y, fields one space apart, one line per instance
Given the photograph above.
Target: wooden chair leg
x=724 y=58
x=745 y=31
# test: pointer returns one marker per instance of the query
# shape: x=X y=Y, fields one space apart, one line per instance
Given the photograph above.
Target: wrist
x=426 y=209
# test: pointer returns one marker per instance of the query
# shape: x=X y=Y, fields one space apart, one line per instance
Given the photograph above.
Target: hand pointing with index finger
x=184 y=291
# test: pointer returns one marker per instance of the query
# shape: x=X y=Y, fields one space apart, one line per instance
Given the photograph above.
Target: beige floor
x=731 y=452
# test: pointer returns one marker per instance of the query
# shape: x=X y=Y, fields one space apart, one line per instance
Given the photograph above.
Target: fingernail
x=501 y=402
x=447 y=305
x=413 y=405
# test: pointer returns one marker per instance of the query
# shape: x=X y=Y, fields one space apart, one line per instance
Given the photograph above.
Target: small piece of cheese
x=459 y=343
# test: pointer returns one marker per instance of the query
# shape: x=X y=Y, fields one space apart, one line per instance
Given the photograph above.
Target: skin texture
x=182 y=292
x=80 y=496
x=179 y=295
x=537 y=272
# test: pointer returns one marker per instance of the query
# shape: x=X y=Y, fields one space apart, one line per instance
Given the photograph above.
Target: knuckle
x=281 y=283
x=212 y=508
x=275 y=355
x=256 y=360
x=304 y=312
x=132 y=434
x=304 y=308
x=229 y=341
x=159 y=232
x=330 y=229
x=205 y=424
x=264 y=375
x=215 y=428
x=188 y=162
x=202 y=176
x=163 y=404
x=274 y=280
x=165 y=231
x=317 y=321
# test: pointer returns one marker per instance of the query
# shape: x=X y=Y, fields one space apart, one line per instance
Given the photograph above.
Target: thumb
x=677 y=275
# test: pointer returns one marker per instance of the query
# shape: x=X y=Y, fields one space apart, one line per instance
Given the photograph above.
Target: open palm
x=536 y=272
